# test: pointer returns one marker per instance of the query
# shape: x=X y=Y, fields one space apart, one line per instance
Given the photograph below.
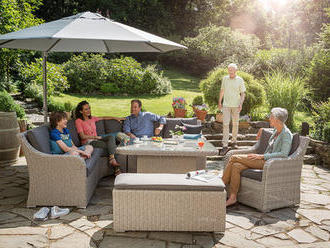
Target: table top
x=169 y=147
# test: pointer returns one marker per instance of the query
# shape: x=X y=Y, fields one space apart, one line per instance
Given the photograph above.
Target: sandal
x=115 y=165
x=117 y=171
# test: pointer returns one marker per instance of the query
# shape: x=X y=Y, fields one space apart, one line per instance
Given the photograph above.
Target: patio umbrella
x=84 y=32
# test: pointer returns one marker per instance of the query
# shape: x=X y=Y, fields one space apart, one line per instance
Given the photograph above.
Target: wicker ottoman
x=168 y=202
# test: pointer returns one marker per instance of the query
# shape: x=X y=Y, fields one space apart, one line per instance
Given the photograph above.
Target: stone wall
x=322 y=150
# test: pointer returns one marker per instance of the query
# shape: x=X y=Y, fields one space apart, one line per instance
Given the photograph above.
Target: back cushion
x=100 y=127
x=172 y=122
x=295 y=143
x=39 y=138
x=265 y=136
x=192 y=129
x=111 y=126
x=73 y=132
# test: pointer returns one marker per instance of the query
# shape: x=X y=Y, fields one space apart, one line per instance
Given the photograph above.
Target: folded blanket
x=192 y=136
x=194 y=173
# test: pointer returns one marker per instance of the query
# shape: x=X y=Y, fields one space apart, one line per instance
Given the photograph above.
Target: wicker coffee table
x=168 y=157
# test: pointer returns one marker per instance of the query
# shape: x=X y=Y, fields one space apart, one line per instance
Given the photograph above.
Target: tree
x=15 y=15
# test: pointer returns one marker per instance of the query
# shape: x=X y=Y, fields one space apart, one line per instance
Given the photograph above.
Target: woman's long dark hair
x=80 y=108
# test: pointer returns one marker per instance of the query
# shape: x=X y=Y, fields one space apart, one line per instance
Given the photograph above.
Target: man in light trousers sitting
x=233 y=94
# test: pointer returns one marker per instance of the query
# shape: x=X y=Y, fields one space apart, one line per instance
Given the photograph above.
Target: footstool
x=168 y=202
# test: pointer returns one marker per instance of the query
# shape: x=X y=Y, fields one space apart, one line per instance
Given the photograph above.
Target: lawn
x=183 y=85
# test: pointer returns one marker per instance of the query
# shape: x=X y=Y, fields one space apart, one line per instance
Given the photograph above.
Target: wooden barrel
x=9 y=142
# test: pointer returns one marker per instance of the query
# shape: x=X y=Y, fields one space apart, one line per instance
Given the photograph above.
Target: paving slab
x=24 y=241
x=318 y=232
x=120 y=242
x=301 y=236
x=75 y=240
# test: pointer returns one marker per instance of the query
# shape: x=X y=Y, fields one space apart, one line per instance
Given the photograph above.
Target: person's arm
x=241 y=101
x=222 y=92
x=285 y=149
x=86 y=137
x=64 y=147
x=127 y=128
x=160 y=119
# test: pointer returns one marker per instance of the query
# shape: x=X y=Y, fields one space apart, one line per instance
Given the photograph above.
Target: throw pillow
x=192 y=129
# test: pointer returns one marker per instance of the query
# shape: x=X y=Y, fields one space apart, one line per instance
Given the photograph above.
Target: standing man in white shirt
x=233 y=94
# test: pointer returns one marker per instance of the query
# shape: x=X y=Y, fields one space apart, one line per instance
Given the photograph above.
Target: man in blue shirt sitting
x=139 y=124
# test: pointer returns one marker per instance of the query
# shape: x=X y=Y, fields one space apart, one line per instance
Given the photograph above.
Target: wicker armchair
x=278 y=184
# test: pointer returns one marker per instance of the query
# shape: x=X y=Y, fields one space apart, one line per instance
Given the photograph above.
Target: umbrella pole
x=44 y=68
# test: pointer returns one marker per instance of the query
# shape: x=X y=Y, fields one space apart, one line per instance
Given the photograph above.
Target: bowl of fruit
x=157 y=139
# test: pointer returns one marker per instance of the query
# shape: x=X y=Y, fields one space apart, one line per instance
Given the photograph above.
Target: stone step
x=33 y=111
x=218 y=143
x=239 y=136
x=219 y=148
x=309 y=150
x=310 y=159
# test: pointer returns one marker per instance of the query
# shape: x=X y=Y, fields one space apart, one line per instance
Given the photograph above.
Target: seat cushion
x=172 y=122
x=111 y=126
x=295 y=143
x=148 y=181
x=253 y=174
x=92 y=161
x=73 y=132
x=39 y=138
x=192 y=129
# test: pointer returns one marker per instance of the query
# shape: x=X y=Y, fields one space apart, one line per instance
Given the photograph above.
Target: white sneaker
x=42 y=214
x=56 y=212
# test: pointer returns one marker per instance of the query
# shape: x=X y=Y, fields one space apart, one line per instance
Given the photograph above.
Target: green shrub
x=198 y=100
x=154 y=83
x=326 y=133
x=321 y=117
x=213 y=46
x=86 y=72
x=7 y=104
x=109 y=88
x=55 y=106
x=254 y=95
x=56 y=80
x=285 y=91
x=319 y=75
x=93 y=73
x=294 y=62
x=68 y=106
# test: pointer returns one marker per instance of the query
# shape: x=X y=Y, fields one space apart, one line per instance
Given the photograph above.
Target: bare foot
x=230 y=202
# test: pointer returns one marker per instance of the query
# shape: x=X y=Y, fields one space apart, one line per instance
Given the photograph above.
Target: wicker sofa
x=278 y=184
x=70 y=180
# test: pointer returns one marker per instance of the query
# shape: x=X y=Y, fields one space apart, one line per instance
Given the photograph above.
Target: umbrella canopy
x=84 y=32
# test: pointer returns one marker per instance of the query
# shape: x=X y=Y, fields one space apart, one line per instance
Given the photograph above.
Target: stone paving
x=306 y=226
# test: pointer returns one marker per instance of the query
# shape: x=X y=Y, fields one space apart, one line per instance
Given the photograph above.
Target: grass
x=183 y=85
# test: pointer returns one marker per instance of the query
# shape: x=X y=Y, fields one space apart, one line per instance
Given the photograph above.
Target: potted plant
x=68 y=107
x=244 y=122
x=200 y=108
x=179 y=107
x=219 y=116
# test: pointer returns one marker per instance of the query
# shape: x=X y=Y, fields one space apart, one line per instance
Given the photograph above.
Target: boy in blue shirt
x=60 y=139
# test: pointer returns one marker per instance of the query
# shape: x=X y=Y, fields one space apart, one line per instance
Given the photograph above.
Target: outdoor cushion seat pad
x=92 y=161
x=73 y=133
x=252 y=174
x=149 y=181
x=295 y=143
x=172 y=122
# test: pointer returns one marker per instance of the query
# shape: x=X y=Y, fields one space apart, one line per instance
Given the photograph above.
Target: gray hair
x=233 y=66
x=280 y=114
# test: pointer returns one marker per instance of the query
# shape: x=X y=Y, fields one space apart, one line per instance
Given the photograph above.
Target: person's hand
x=259 y=134
x=239 y=108
x=120 y=119
x=255 y=156
x=98 y=137
x=132 y=136
x=157 y=131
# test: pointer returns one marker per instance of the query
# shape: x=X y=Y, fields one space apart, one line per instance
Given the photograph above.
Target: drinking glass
x=201 y=143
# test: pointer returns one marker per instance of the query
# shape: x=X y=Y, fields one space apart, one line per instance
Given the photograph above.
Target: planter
x=22 y=128
x=9 y=143
x=200 y=114
x=179 y=113
x=219 y=117
x=244 y=124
